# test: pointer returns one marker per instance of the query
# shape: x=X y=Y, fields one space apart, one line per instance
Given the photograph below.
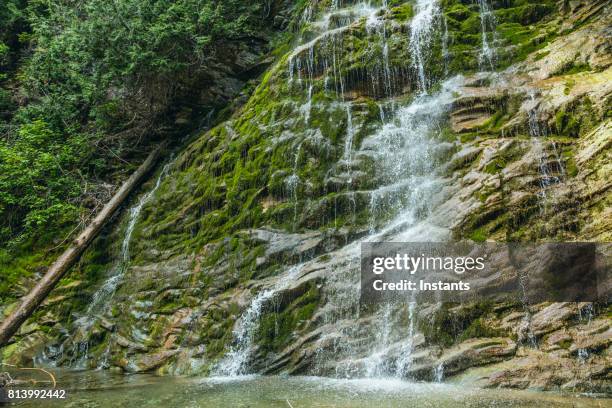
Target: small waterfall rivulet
x=293 y=182
x=421 y=29
x=549 y=175
x=402 y=207
x=100 y=300
x=487 y=24
x=102 y=296
x=236 y=360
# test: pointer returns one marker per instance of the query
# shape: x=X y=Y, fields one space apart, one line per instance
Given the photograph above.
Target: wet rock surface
x=278 y=197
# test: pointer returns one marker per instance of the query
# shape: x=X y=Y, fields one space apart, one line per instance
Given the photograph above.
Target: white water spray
x=487 y=24
x=109 y=287
x=236 y=361
x=422 y=28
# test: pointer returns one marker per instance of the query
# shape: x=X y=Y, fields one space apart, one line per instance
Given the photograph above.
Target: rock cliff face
x=417 y=120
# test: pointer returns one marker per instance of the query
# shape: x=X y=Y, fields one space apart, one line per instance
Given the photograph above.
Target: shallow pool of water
x=103 y=389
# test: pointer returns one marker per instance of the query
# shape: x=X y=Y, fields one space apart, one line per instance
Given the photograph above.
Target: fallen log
x=37 y=295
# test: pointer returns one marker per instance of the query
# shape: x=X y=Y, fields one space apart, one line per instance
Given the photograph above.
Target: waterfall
x=348 y=144
x=405 y=360
x=236 y=361
x=375 y=364
x=404 y=148
x=585 y=316
x=101 y=298
x=292 y=184
x=405 y=151
x=487 y=24
x=375 y=24
x=537 y=133
x=439 y=373
x=328 y=31
x=525 y=326
x=401 y=207
x=308 y=106
x=422 y=27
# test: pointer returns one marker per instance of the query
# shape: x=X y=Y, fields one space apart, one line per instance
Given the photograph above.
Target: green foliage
x=403 y=12
x=132 y=37
x=478 y=328
x=35 y=186
x=93 y=76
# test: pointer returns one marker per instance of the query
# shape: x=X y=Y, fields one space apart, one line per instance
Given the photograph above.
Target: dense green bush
x=83 y=82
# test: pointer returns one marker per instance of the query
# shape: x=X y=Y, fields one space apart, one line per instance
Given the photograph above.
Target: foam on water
x=401 y=207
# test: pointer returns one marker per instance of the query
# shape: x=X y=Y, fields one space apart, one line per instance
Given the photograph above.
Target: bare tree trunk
x=38 y=294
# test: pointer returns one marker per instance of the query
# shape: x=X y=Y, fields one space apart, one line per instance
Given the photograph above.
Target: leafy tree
x=92 y=79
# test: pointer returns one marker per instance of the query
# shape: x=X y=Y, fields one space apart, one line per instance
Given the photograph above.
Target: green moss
x=403 y=12
x=576 y=119
x=573 y=67
x=471 y=25
x=468 y=137
x=541 y=55
x=277 y=329
x=503 y=158
x=525 y=14
x=571 y=169
x=569 y=84
x=478 y=329
x=451 y=323
x=478 y=235
x=458 y=12
x=447 y=135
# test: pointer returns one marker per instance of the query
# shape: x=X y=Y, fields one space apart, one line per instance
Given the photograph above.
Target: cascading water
x=405 y=149
x=236 y=361
x=439 y=373
x=376 y=24
x=401 y=208
x=421 y=29
x=585 y=316
x=358 y=135
x=405 y=360
x=525 y=325
x=107 y=290
x=348 y=144
x=292 y=183
x=487 y=24
x=376 y=363
x=547 y=173
x=445 y=41
x=101 y=298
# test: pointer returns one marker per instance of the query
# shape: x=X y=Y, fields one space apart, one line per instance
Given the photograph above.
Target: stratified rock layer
x=276 y=186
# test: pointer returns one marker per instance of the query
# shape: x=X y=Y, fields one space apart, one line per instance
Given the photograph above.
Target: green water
x=102 y=389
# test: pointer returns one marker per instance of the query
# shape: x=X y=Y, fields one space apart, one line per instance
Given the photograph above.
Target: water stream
x=549 y=175
x=487 y=24
x=101 y=299
x=405 y=148
x=422 y=26
x=235 y=362
x=369 y=354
